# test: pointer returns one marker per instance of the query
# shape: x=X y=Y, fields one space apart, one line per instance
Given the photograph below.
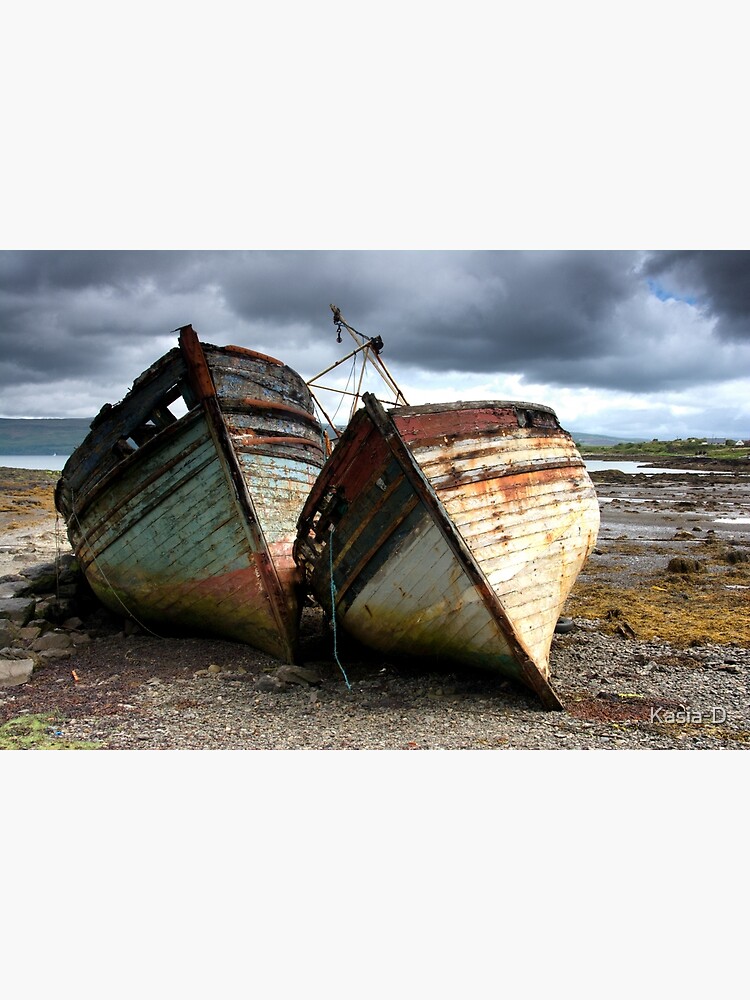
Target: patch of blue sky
x=664 y=295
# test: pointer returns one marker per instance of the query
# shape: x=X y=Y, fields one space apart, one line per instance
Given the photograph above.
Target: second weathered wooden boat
x=452 y=531
x=188 y=521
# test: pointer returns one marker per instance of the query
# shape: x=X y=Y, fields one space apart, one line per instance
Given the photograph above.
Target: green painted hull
x=190 y=528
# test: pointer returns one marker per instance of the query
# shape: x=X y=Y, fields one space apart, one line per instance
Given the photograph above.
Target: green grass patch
x=38 y=732
x=725 y=451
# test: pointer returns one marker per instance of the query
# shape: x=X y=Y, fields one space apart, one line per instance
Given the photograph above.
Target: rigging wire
x=370 y=348
x=333 y=607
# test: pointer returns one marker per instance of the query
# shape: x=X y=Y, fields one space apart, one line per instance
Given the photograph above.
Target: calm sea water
x=55 y=463
x=636 y=467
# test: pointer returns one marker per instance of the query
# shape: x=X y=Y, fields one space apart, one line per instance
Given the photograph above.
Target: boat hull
x=188 y=523
x=454 y=533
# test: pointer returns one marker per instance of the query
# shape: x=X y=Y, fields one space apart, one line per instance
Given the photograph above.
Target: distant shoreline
x=45 y=462
x=739 y=464
x=54 y=463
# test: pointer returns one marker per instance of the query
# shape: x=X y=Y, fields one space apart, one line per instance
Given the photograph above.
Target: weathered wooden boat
x=452 y=531
x=188 y=521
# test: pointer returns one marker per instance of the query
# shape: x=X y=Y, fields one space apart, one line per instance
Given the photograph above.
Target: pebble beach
x=647 y=657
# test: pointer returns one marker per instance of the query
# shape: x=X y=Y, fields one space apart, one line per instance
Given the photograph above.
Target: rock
x=15 y=653
x=12 y=586
x=625 y=629
x=9 y=632
x=18 y=609
x=14 y=672
x=564 y=625
x=52 y=640
x=682 y=564
x=72 y=623
x=290 y=673
x=55 y=654
x=42 y=578
x=56 y=609
x=267 y=683
x=29 y=633
x=734 y=556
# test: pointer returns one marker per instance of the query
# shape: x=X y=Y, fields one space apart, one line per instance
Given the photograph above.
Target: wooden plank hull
x=454 y=532
x=189 y=522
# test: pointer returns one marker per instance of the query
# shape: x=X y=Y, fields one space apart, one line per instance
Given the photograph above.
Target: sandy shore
x=656 y=659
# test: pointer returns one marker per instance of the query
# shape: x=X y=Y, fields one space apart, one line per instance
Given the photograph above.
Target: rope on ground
x=58 y=553
x=333 y=608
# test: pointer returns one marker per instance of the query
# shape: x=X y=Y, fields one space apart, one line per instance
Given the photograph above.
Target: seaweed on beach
x=711 y=607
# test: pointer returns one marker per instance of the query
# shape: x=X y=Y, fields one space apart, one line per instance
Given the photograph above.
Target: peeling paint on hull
x=188 y=523
x=456 y=532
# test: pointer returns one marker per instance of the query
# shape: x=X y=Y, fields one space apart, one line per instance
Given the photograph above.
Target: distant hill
x=601 y=440
x=42 y=436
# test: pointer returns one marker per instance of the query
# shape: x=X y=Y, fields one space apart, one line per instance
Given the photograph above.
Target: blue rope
x=333 y=608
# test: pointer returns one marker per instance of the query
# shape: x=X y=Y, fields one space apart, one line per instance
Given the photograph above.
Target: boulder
x=30 y=632
x=290 y=673
x=42 y=578
x=52 y=640
x=12 y=586
x=9 y=632
x=19 y=610
x=14 y=672
x=51 y=577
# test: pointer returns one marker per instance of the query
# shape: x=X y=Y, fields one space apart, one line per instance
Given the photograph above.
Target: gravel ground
x=122 y=689
x=140 y=692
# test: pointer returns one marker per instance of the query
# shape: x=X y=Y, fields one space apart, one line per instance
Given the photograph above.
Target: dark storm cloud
x=619 y=320
x=471 y=312
x=297 y=286
x=521 y=312
x=718 y=281
x=68 y=270
x=565 y=318
x=82 y=313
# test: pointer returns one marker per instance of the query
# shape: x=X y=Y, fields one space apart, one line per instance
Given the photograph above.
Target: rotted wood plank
x=203 y=385
x=198 y=371
x=531 y=672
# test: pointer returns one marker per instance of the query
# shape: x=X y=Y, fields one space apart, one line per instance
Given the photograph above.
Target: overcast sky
x=509 y=126
x=643 y=344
